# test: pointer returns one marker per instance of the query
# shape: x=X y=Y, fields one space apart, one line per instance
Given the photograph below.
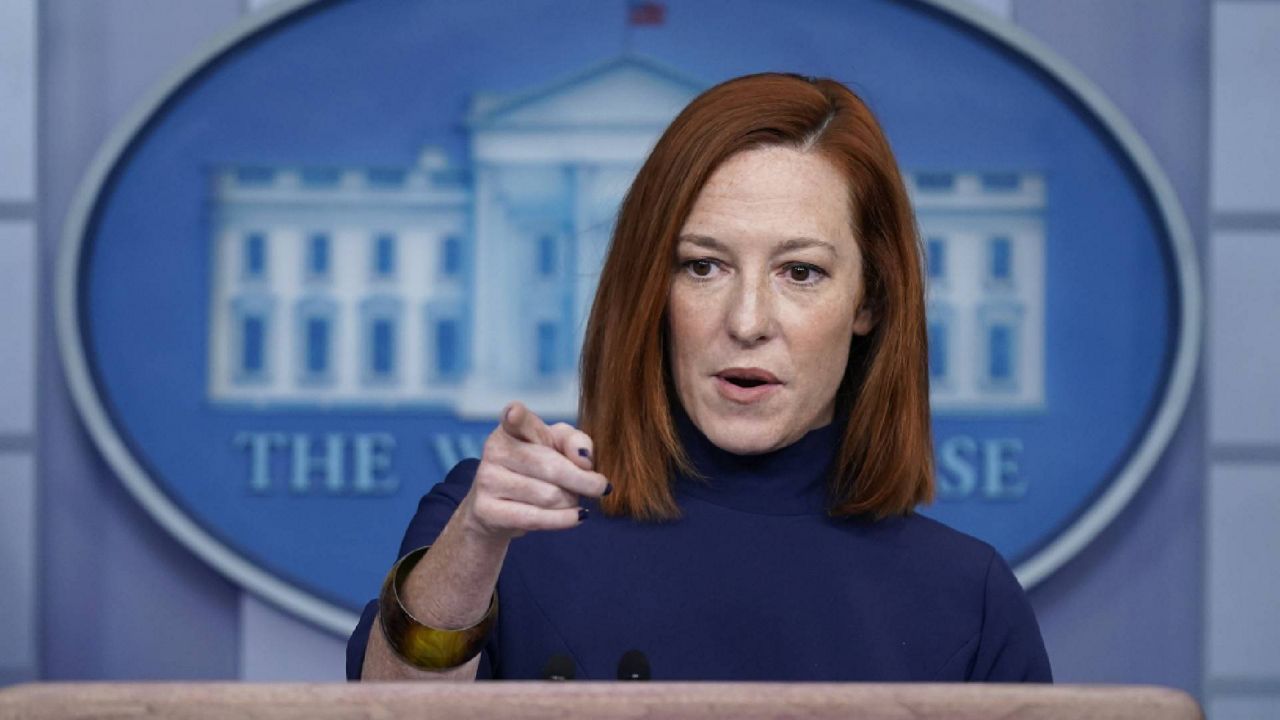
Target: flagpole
x=641 y=12
x=626 y=28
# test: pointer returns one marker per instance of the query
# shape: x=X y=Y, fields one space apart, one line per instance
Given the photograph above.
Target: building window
x=937 y=256
x=386 y=177
x=315 y=318
x=1000 y=354
x=253 y=350
x=1000 y=347
x=318 y=246
x=321 y=177
x=939 y=316
x=938 y=342
x=317 y=331
x=1001 y=182
x=255 y=175
x=384 y=255
x=935 y=181
x=381 y=336
x=251 y=339
x=1000 y=253
x=451 y=256
x=547 y=256
x=447 y=347
x=444 y=342
x=254 y=256
x=383 y=347
x=547 y=347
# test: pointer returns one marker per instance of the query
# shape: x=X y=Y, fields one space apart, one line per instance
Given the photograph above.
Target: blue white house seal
x=302 y=278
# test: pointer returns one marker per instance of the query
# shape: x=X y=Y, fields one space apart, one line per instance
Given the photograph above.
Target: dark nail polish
x=583 y=452
x=583 y=514
x=608 y=488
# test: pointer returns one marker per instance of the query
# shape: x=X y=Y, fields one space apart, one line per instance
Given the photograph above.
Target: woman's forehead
x=774 y=195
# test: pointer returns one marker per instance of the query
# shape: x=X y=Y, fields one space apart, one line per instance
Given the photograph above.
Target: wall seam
x=1237 y=221
x=1223 y=456
x=11 y=210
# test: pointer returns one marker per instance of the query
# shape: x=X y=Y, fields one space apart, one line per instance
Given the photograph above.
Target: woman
x=738 y=503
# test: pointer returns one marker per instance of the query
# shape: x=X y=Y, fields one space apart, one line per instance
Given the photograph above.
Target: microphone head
x=633 y=666
x=559 y=667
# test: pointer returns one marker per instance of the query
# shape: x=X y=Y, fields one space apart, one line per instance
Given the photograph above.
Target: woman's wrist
x=450 y=588
x=418 y=642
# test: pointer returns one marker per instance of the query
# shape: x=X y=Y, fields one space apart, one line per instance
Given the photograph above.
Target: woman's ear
x=864 y=320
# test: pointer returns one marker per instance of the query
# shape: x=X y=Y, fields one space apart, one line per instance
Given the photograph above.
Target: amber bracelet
x=423 y=646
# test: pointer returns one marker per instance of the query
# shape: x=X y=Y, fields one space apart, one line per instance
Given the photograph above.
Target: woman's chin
x=746 y=436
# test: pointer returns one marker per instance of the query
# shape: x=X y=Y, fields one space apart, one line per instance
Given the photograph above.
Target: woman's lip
x=749 y=373
x=744 y=395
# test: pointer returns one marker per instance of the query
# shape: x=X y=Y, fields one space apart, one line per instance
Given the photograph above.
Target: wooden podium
x=588 y=699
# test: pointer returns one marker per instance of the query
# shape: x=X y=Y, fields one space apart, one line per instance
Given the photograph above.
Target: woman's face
x=765 y=299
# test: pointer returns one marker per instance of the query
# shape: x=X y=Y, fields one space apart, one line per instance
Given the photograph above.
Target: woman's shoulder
x=1009 y=646
x=930 y=556
x=979 y=586
x=936 y=539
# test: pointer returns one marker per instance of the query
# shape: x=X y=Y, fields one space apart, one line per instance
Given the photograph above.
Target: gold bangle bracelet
x=423 y=646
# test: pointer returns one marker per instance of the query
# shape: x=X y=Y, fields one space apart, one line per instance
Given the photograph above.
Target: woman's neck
x=789 y=481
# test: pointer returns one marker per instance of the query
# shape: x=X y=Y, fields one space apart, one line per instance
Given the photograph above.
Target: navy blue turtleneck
x=753 y=582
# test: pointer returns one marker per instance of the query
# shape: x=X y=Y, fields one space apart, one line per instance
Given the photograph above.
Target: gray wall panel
x=1128 y=608
x=1246 y=103
x=1244 y=387
x=17 y=328
x=275 y=647
x=17 y=100
x=17 y=567
x=119 y=598
x=1243 y=577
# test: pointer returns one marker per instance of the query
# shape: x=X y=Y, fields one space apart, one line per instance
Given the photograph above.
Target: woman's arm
x=1010 y=647
x=448 y=589
x=529 y=478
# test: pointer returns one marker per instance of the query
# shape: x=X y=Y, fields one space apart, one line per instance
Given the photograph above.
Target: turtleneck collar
x=788 y=481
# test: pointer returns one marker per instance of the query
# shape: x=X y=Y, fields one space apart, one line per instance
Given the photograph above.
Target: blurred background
x=1180 y=588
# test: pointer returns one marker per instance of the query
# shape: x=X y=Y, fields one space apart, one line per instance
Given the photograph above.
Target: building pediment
x=626 y=92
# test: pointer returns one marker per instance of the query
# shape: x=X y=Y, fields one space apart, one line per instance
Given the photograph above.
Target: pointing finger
x=521 y=423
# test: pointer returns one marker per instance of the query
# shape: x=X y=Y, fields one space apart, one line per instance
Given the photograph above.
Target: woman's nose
x=750 y=315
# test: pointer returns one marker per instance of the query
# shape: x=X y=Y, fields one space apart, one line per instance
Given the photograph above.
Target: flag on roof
x=646 y=12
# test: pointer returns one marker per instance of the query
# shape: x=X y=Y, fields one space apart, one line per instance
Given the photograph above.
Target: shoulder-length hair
x=884 y=465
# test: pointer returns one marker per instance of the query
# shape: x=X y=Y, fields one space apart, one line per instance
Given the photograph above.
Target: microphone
x=633 y=666
x=559 y=667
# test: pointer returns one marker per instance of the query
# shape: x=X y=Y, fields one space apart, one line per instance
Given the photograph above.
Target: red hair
x=885 y=463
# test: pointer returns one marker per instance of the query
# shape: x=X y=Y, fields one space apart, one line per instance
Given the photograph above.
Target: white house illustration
x=984 y=244
x=464 y=285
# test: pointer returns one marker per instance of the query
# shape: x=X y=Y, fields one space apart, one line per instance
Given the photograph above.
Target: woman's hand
x=531 y=477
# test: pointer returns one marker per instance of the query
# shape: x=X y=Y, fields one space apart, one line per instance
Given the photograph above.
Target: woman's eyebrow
x=704 y=241
x=788 y=245
x=801 y=243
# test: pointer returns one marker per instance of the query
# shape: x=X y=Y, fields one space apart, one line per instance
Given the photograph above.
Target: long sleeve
x=434 y=510
x=1010 y=648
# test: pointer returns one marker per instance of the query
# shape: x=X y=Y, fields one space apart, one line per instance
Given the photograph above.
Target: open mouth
x=747 y=377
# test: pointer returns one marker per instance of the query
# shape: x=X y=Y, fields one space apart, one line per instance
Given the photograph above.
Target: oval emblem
x=297 y=287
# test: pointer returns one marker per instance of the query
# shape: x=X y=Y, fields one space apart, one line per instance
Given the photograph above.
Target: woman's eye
x=804 y=274
x=700 y=268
